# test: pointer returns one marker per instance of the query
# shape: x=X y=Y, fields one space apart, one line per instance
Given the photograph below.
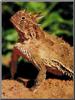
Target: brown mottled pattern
x=41 y=47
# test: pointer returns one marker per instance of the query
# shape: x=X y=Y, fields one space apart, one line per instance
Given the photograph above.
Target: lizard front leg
x=17 y=52
x=40 y=77
x=15 y=56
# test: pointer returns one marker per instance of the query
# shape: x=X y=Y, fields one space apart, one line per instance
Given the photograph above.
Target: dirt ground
x=53 y=87
x=50 y=88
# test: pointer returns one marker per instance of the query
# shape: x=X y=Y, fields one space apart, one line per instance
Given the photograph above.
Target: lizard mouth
x=21 y=34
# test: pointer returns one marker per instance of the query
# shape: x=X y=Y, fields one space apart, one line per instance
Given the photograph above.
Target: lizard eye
x=23 y=17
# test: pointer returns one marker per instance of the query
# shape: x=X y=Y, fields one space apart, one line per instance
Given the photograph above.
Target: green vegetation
x=58 y=20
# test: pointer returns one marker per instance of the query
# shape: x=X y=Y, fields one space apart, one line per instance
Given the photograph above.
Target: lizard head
x=26 y=25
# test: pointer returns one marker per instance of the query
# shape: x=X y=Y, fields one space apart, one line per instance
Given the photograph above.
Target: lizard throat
x=22 y=38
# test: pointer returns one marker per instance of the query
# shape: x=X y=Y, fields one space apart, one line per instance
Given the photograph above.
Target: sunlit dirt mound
x=50 y=88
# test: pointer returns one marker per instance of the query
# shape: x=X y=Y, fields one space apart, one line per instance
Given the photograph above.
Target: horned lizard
x=46 y=52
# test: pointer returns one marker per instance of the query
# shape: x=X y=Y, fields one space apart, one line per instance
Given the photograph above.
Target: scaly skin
x=46 y=52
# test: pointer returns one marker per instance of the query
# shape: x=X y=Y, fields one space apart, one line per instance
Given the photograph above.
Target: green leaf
x=52 y=18
x=11 y=35
x=61 y=32
x=37 y=6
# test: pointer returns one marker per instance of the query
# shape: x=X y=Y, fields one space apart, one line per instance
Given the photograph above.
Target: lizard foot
x=36 y=87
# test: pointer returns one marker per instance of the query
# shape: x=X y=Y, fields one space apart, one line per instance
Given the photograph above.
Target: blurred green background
x=58 y=20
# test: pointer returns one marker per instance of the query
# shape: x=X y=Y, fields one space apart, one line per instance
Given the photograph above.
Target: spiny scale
x=69 y=74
